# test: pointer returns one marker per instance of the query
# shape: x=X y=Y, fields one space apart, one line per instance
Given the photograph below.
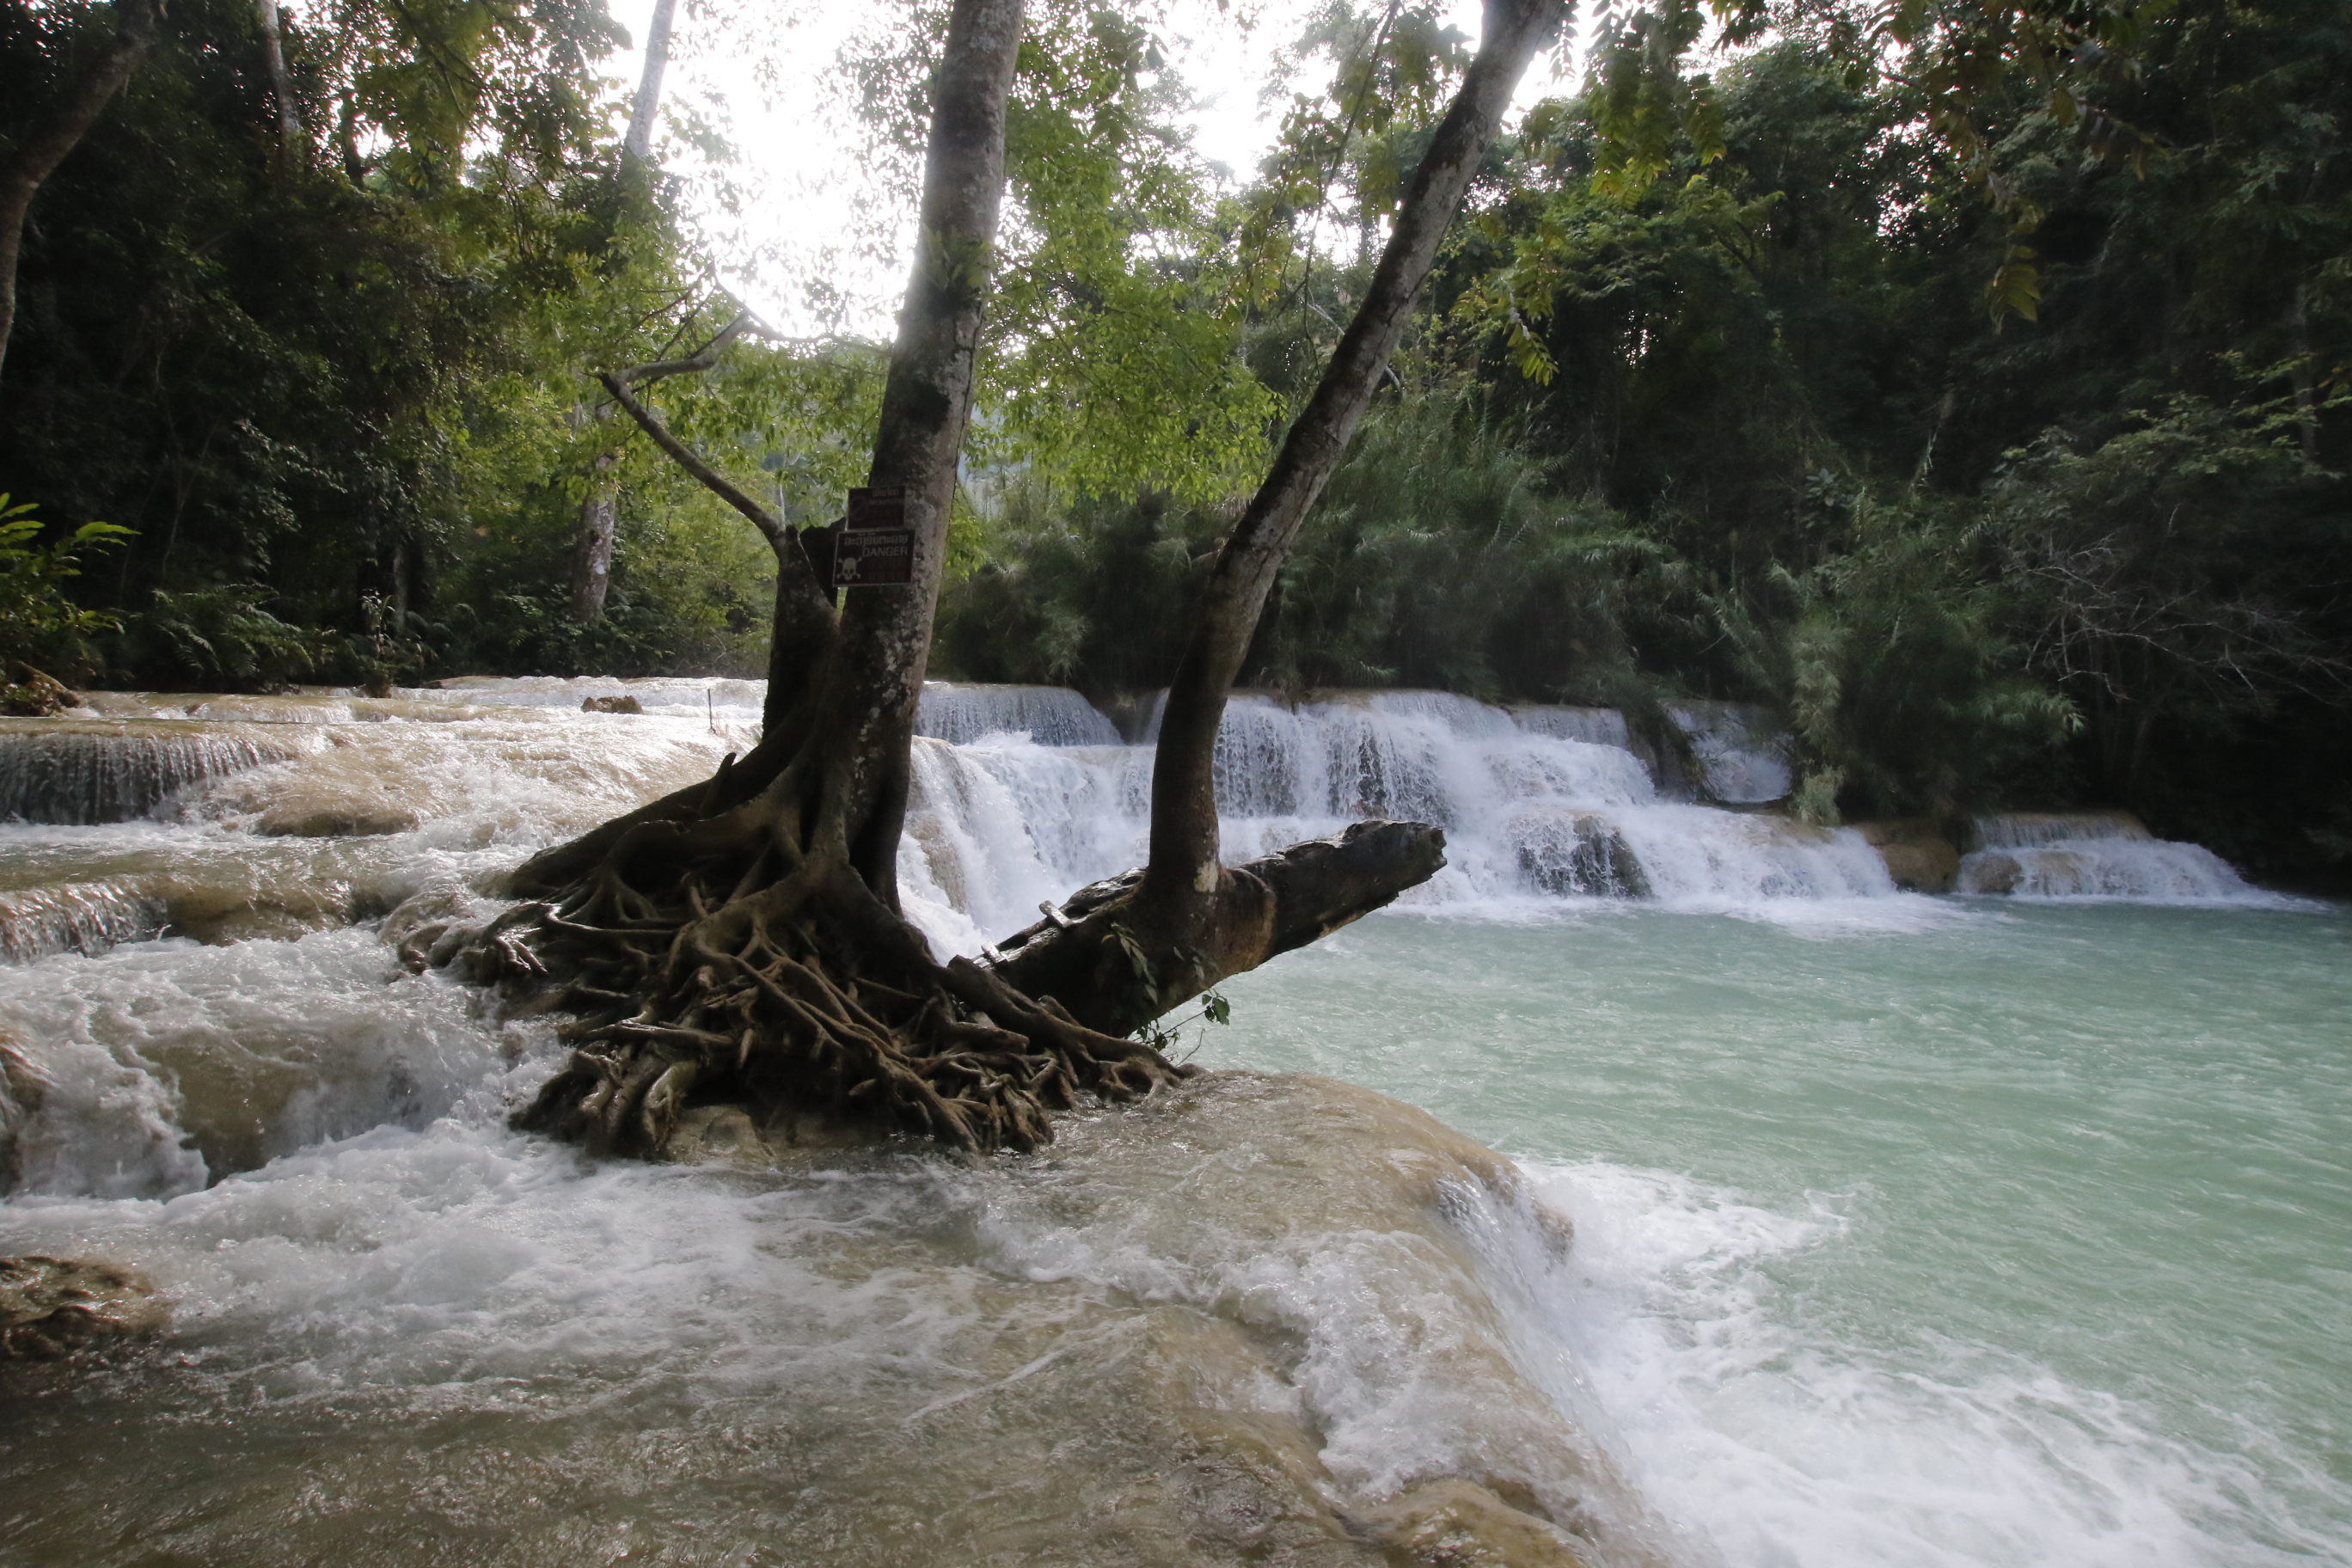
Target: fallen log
x=1100 y=956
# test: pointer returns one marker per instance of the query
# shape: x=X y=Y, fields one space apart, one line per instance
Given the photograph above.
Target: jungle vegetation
x=1977 y=401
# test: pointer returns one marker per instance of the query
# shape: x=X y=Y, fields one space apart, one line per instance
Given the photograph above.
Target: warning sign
x=885 y=505
x=876 y=548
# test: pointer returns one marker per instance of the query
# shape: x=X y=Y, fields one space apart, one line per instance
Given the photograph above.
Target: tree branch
x=778 y=537
x=706 y=358
x=804 y=628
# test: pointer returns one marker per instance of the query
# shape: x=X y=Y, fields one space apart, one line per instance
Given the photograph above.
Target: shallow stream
x=1906 y=1231
x=2003 y=1233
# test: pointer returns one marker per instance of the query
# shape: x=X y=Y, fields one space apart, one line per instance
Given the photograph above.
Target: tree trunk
x=1194 y=921
x=638 y=144
x=2298 y=342
x=742 y=937
x=592 y=556
x=874 y=676
x=45 y=146
x=291 y=141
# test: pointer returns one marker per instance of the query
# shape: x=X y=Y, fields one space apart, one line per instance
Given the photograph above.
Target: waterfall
x=1741 y=754
x=1539 y=804
x=274 y=814
x=2040 y=829
x=1594 y=726
x=95 y=770
x=1049 y=715
x=75 y=918
x=2093 y=855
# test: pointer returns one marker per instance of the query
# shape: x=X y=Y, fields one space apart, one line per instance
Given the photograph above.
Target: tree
x=268 y=364
x=591 y=557
x=41 y=147
x=742 y=937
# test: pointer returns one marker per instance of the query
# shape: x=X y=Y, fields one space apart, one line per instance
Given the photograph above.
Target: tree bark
x=873 y=679
x=45 y=146
x=1104 y=970
x=291 y=140
x=638 y=144
x=592 y=556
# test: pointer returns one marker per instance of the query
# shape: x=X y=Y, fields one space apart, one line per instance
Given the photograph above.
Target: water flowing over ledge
x=1272 y=1319
x=1022 y=794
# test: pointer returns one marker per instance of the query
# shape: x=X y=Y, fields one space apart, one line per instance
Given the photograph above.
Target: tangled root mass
x=715 y=961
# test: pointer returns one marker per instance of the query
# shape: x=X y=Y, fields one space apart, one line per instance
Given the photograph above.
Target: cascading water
x=1539 y=804
x=2093 y=854
x=1049 y=715
x=1265 y=1319
x=241 y=828
x=1740 y=754
x=92 y=770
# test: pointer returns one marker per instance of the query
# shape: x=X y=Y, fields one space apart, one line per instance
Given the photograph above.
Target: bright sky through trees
x=795 y=174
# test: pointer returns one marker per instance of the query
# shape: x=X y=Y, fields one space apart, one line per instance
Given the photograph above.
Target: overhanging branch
x=778 y=537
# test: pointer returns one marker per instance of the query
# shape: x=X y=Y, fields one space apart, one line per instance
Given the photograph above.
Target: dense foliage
x=1748 y=428
x=1982 y=409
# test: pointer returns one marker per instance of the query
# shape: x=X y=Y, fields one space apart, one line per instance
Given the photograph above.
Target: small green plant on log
x=741 y=940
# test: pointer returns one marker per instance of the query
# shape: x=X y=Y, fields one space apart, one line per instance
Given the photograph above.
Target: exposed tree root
x=716 y=961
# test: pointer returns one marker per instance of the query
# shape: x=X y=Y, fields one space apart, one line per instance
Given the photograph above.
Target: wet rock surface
x=1918 y=856
x=52 y=1307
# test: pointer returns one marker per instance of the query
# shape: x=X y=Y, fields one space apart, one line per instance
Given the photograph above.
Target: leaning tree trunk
x=44 y=145
x=1133 y=953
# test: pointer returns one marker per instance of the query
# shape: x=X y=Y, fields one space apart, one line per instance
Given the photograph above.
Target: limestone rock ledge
x=1918 y=856
x=52 y=1307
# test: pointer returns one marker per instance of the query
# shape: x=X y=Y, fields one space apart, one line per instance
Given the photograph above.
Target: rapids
x=1894 y=1217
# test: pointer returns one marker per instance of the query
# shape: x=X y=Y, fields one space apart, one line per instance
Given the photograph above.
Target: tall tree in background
x=38 y=146
x=646 y=107
x=290 y=138
x=592 y=556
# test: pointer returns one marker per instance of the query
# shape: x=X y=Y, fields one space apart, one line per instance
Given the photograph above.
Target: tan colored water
x=1246 y=1325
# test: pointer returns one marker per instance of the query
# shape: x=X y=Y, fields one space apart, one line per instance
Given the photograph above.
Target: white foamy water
x=1879 y=1264
x=2105 y=855
x=1875 y=1265
x=1534 y=811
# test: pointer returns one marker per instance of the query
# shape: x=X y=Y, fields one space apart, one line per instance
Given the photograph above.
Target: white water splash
x=2095 y=855
x=1534 y=810
x=1760 y=1432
